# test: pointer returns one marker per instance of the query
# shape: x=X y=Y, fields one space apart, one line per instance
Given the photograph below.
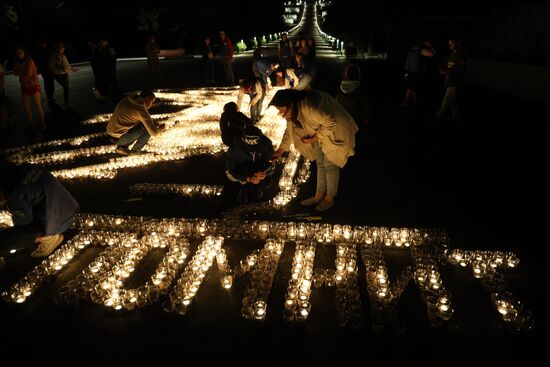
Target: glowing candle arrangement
x=300 y=231
x=190 y=281
x=261 y=266
x=127 y=240
x=348 y=298
x=20 y=291
x=6 y=220
x=289 y=180
x=482 y=262
x=191 y=131
x=485 y=266
x=378 y=283
x=186 y=190
x=103 y=281
x=428 y=279
x=65 y=156
x=297 y=306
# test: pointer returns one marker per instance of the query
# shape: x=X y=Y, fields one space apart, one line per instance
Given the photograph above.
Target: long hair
x=289 y=98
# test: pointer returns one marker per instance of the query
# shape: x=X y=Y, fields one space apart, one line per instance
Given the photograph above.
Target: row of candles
x=348 y=298
x=291 y=178
x=103 y=280
x=190 y=132
x=16 y=152
x=399 y=238
x=297 y=305
x=187 y=286
x=261 y=266
x=187 y=190
x=486 y=266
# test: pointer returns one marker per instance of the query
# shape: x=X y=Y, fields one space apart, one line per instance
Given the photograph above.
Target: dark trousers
x=49 y=87
x=20 y=237
x=209 y=70
x=63 y=79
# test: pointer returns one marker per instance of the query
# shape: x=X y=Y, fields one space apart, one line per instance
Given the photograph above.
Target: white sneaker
x=47 y=245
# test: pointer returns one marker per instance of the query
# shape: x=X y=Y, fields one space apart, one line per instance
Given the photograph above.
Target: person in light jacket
x=322 y=131
x=61 y=69
x=131 y=123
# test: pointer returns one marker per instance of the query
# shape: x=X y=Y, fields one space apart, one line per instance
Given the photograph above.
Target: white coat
x=321 y=114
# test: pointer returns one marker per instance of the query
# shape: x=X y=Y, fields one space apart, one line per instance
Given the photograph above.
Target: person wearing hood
x=322 y=131
x=249 y=160
x=131 y=123
x=353 y=96
x=231 y=122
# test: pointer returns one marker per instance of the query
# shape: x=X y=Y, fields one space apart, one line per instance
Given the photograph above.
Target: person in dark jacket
x=208 y=61
x=454 y=74
x=353 y=96
x=231 y=123
x=41 y=208
x=249 y=161
x=42 y=60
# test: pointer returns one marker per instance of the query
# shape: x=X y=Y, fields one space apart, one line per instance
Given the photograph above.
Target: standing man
x=42 y=59
x=285 y=51
x=131 y=123
x=226 y=52
x=152 y=51
x=61 y=68
x=454 y=75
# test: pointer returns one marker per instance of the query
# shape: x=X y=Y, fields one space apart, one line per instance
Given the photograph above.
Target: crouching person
x=41 y=208
x=248 y=161
x=131 y=123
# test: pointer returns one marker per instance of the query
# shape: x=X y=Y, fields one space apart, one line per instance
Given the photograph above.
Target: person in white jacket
x=321 y=130
x=131 y=123
x=256 y=90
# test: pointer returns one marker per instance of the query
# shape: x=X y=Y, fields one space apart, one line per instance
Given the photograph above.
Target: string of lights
x=186 y=190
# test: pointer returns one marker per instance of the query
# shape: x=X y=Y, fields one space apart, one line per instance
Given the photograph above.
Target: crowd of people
x=322 y=128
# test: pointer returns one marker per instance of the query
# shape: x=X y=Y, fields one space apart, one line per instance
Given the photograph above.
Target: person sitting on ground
x=41 y=208
x=256 y=90
x=248 y=160
x=131 y=123
x=228 y=120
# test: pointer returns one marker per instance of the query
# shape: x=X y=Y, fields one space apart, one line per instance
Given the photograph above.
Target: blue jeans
x=138 y=133
x=328 y=174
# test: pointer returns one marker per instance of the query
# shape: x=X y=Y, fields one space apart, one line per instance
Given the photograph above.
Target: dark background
x=516 y=31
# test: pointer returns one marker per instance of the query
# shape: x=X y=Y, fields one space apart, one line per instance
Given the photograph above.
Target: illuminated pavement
x=406 y=173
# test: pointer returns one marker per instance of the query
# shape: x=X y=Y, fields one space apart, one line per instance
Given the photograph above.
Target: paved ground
x=476 y=180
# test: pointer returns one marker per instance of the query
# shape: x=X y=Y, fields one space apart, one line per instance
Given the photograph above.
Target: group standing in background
x=152 y=51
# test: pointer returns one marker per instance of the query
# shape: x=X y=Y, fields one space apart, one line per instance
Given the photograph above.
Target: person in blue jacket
x=249 y=161
x=41 y=208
